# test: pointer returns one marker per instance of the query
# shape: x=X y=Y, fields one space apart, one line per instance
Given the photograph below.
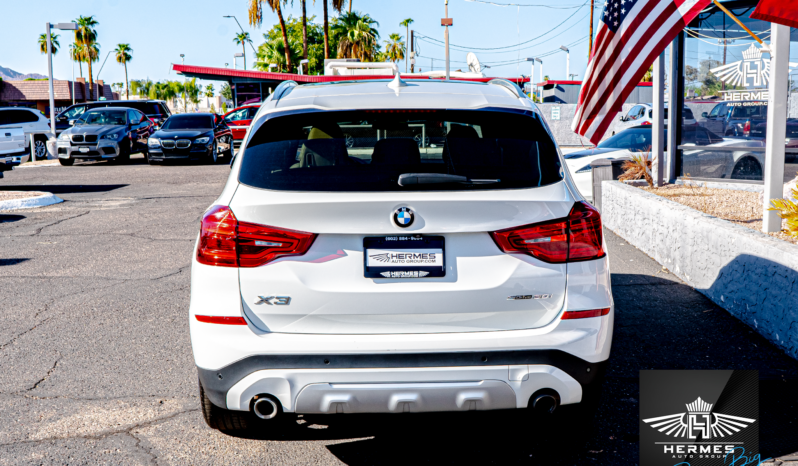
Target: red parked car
x=239 y=120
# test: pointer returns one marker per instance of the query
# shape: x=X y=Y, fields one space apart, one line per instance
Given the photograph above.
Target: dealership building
x=36 y=94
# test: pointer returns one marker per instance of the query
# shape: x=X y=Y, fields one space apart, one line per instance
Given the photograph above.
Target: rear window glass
x=369 y=150
x=189 y=122
x=749 y=110
x=148 y=108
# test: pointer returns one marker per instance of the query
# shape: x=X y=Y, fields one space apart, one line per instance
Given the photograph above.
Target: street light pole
x=567 y=60
x=531 y=76
x=50 y=75
x=185 y=102
x=242 y=29
x=540 y=98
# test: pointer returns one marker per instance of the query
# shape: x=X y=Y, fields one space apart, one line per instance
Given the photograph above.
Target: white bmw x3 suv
x=395 y=247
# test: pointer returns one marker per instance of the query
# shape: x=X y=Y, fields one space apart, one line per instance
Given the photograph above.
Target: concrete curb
x=31 y=202
x=750 y=274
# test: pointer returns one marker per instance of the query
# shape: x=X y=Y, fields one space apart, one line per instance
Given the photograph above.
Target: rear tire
x=747 y=168
x=40 y=147
x=66 y=162
x=221 y=419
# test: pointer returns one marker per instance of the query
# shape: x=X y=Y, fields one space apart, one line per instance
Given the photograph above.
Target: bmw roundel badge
x=403 y=217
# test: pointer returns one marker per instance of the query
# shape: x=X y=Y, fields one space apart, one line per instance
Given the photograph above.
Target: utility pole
x=412 y=51
x=590 y=47
x=446 y=22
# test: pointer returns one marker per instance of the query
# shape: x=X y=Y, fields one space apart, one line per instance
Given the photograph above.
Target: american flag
x=632 y=33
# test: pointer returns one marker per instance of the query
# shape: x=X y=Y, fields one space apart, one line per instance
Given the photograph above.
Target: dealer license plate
x=409 y=256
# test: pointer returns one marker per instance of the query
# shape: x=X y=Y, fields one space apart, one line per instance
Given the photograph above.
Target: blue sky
x=159 y=32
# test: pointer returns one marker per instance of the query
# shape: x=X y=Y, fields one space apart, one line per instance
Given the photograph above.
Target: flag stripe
x=628 y=41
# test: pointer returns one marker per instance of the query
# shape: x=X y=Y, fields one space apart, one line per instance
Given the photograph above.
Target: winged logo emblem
x=699 y=419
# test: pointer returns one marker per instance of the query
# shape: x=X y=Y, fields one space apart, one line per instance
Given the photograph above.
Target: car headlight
x=153 y=142
x=63 y=137
x=202 y=140
x=113 y=136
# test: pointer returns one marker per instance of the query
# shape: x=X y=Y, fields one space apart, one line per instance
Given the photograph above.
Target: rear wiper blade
x=407 y=179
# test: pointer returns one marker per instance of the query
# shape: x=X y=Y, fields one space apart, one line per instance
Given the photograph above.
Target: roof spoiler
x=510 y=86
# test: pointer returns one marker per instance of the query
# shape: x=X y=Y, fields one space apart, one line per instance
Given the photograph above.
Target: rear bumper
x=409 y=382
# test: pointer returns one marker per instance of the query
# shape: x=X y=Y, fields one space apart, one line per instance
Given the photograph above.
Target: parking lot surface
x=96 y=364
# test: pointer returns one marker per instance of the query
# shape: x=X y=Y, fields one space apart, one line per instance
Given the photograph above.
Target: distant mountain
x=10 y=75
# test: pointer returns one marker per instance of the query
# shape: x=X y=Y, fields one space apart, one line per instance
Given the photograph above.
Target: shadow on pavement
x=10 y=218
x=12 y=261
x=65 y=188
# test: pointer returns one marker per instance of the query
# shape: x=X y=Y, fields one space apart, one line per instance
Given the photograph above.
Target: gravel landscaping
x=741 y=207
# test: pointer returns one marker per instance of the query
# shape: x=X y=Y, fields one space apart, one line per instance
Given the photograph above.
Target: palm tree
x=338 y=6
x=241 y=39
x=395 y=48
x=86 y=35
x=123 y=56
x=358 y=37
x=256 y=18
x=53 y=43
x=406 y=23
x=304 y=30
x=273 y=52
x=76 y=53
x=209 y=91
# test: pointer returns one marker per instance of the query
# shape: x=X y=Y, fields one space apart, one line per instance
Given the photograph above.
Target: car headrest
x=396 y=151
x=323 y=152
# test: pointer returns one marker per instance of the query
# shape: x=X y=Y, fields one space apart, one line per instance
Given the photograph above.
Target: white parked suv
x=31 y=121
x=458 y=271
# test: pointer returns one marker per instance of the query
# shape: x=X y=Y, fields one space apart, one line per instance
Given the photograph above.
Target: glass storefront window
x=726 y=79
x=247 y=93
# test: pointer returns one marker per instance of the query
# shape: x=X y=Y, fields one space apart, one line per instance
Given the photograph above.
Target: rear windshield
x=369 y=150
x=189 y=122
x=148 y=108
x=749 y=110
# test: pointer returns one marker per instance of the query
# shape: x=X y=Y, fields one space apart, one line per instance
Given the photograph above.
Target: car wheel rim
x=41 y=149
x=350 y=141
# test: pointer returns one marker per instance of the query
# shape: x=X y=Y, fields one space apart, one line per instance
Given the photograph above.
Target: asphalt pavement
x=96 y=364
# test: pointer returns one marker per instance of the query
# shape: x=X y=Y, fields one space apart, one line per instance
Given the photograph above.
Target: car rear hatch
x=12 y=140
x=334 y=240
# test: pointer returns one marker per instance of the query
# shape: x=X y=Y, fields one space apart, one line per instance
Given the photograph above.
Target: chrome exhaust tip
x=265 y=407
x=545 y=402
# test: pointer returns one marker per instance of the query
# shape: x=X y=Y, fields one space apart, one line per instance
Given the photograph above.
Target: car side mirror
x=71 y=122
x=704 y=114
x=622 y=118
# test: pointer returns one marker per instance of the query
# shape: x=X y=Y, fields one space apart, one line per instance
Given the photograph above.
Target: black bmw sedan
x=198 y=136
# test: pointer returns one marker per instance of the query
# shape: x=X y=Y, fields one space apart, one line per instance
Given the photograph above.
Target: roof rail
x=282 y=89
x=510 y=86
x=331 y=65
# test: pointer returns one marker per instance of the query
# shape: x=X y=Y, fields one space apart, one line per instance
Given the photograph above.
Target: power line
x=539 y=5
x=524 y=48
x=508 y=46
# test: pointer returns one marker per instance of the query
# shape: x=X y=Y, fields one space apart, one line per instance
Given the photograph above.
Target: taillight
x=567 y=315
x=226 y=242
x=572 y=239
x=747 y=128
x=645 y=123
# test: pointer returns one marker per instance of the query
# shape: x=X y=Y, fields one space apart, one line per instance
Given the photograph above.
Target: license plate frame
x=83 y=150
x=418 y=245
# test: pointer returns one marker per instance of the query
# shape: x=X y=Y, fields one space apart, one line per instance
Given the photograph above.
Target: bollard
x=32 y=148
x=602 y=171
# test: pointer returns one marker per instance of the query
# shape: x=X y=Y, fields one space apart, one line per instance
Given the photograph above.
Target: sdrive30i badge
x=403 y=217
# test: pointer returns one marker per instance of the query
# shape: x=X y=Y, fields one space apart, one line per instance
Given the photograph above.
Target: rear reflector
x=222 y=320
x=571 y=239
x=226 y=242
x=585 y=314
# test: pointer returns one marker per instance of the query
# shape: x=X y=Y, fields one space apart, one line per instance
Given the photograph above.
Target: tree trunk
x=127 y=84
x=244 y=49
x=326 y=33
x=91 y=82
x=288 y=63
x=305 y=33
x=350 y=6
